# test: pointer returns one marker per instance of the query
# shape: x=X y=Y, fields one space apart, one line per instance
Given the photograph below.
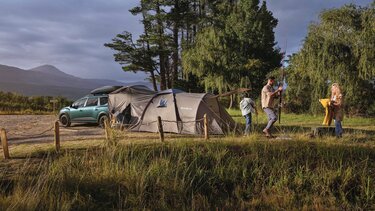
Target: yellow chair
x=329 y=113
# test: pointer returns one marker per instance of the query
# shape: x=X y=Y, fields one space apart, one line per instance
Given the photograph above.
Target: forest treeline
x=13 y=103
x=201 y=45
x=220 y=45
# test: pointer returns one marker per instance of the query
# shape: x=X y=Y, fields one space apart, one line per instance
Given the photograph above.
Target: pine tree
x=141 y=54
x=235 y=48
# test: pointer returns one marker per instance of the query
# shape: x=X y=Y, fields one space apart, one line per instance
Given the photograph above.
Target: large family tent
x=138 y=108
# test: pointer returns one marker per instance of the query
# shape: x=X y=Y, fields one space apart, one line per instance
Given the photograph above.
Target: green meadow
x=137 y=171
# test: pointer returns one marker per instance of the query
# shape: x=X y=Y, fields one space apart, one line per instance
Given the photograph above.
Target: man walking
x=268 y=96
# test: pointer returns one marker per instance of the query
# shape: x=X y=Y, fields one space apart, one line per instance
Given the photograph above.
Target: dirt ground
x=39 y=129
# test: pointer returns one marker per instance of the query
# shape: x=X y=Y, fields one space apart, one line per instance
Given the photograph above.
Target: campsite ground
x=232 y=172
x=39 y=129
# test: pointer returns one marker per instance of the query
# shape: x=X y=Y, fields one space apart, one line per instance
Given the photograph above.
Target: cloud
x=70 y=34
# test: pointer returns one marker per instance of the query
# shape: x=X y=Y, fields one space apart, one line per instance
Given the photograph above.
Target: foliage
x=156 y=51
x=340 y=48
x=134 y=57
x=236 y=49
x=11 y=102
x=240 y=53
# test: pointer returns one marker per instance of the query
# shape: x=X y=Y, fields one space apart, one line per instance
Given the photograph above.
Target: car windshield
x=92 y=102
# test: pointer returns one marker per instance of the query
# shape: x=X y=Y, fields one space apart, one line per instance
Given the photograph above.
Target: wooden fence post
x=160 y=127
x=106 y=128
x=4 y=141
x=57 y=136
x=205 y=127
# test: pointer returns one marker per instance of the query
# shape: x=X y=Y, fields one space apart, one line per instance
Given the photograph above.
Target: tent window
x=162 y=103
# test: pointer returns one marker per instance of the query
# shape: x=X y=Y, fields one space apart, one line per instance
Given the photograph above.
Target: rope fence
x=36 y=135
x=138 y=124
x=55 y=128
x=160 y=123
x=5 y=145
x=153 y=122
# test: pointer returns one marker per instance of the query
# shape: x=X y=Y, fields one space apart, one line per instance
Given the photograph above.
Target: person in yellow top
x=337 y=104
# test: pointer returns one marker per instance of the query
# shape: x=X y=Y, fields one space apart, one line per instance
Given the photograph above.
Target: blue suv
x=89 y=109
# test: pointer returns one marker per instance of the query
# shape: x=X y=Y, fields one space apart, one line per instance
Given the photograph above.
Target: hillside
x=47 y=80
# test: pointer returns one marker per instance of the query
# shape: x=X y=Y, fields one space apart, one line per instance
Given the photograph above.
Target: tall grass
x=228 y=174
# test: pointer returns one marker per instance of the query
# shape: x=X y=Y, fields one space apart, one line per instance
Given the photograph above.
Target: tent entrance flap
x=125 y=116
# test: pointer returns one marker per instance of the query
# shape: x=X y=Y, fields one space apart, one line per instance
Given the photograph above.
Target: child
x=247 y=106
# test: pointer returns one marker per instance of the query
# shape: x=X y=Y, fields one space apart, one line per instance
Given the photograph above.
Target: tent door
x=125 y=116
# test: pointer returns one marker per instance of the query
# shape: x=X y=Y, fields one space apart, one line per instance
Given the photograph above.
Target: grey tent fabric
x=180 y=112
x=135 y=98
x=105 y=89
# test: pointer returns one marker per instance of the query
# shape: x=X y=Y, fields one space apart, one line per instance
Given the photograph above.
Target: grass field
x=136 y=171
x=307 y=120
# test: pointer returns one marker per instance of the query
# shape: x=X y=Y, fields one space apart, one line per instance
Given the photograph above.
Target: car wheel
x=102 y=119
x=64 y=120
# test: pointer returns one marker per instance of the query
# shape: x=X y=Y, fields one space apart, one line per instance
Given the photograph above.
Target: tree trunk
x=182 y=41
x=231 y=101
x=175 y=40
x=195 y=25
x=148 y=49
x=163 y=82
x=161 y=48
x=153 y=80
x=168 y=73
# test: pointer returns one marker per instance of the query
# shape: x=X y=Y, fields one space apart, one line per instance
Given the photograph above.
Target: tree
x=237 y=49
x=337 y=49
x=134 y=57
x=139 y=55
x=174 y=30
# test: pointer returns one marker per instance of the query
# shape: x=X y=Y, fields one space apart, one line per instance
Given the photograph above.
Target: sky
x=70 y=34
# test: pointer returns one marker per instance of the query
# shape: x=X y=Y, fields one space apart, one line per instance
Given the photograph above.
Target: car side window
x=92 y=102
x=103 y=100
x=79 y=103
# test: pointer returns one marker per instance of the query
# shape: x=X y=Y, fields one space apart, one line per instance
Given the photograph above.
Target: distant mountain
x=48 y=80
x=52 y=70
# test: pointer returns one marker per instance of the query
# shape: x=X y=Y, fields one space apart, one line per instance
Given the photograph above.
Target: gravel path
x=39 y=129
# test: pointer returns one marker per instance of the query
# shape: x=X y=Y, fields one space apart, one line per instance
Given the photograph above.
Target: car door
x=102 y=106
x=90 y=109
x=76 y=110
